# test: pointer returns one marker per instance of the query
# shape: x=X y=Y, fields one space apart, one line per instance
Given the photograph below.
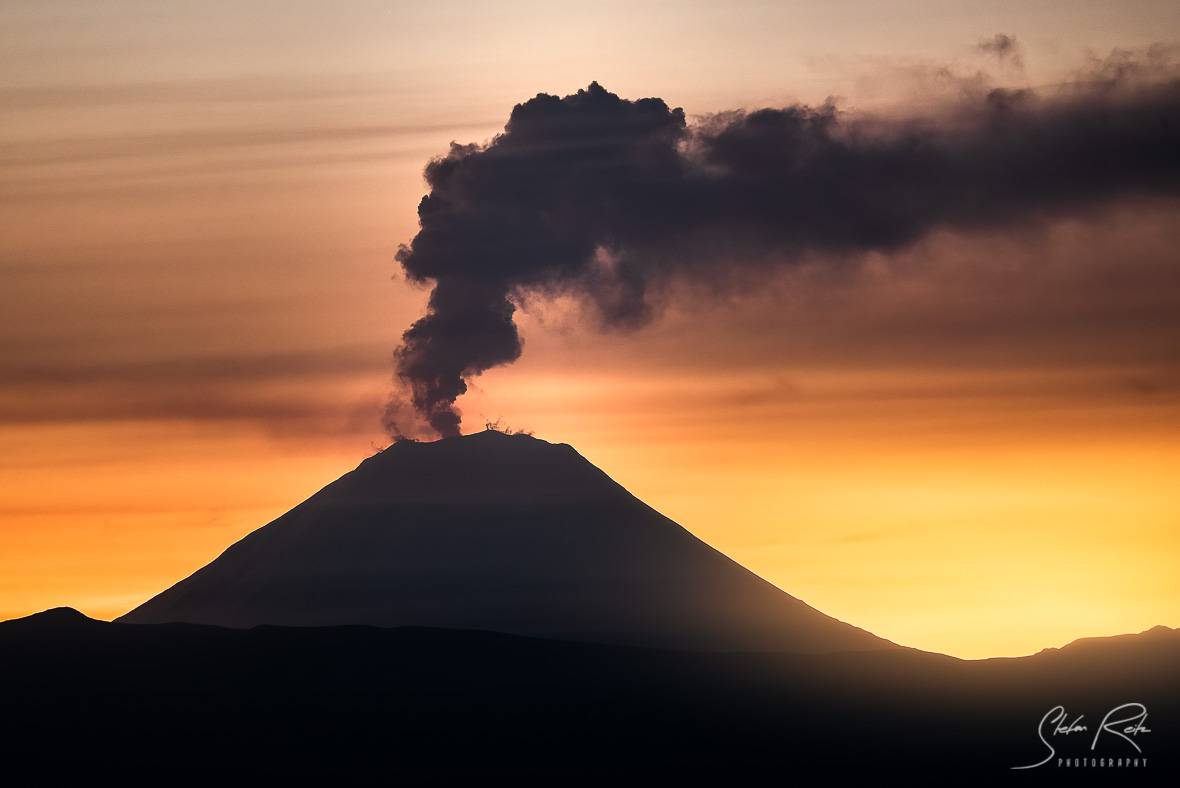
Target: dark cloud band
x=606 y=198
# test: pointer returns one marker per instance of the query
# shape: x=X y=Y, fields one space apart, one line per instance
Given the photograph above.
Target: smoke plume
x=606 y=199
x=1004 y=48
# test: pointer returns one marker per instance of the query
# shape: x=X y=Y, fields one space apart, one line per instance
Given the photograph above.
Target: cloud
x=1004 y=48
x=284 y=393
x=611 y=199
x=30 y=153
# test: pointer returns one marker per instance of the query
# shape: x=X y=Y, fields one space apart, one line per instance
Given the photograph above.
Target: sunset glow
x=969 y=445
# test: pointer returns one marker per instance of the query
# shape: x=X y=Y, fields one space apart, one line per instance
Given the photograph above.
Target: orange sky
x=968 y=447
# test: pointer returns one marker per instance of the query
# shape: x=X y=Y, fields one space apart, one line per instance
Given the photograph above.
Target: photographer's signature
x=1125 y=722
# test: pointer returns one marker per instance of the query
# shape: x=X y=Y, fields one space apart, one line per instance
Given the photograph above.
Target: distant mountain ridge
x=496 y=532
x=1158 y=633
x=68 y=618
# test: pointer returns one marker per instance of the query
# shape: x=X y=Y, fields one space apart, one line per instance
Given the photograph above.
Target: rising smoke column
x=604 y=198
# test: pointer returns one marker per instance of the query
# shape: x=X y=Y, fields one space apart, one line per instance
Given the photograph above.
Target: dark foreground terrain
x=161 y=702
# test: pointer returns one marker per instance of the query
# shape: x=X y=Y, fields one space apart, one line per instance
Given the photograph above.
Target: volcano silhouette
x=495 y=532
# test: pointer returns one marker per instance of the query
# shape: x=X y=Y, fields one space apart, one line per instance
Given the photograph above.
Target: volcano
x=496 y=532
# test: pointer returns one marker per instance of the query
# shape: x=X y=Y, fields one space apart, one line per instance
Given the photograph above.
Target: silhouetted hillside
x=399 y=584
x=163 y=702
x=495 y=532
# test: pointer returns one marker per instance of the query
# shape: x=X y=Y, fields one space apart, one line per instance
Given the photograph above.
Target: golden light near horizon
x=967 y=446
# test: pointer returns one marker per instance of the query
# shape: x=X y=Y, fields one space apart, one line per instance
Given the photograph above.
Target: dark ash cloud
x=608 y=199
x=1004 y=48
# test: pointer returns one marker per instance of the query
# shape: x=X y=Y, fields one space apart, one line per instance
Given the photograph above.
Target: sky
x=967 y=443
